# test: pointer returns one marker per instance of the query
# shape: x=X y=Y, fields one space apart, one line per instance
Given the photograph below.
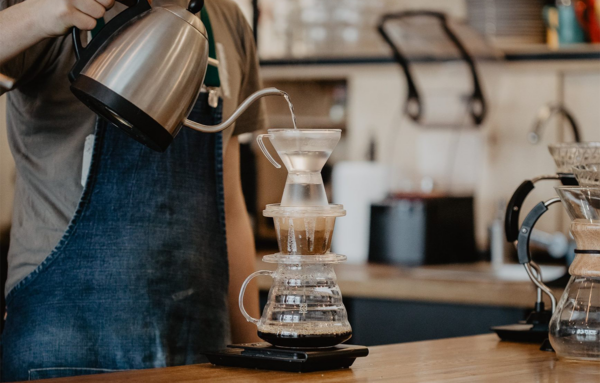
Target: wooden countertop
x=481 y=358
x=474 y=284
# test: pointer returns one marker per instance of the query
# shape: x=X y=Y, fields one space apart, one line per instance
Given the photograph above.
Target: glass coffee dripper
x=574 y=329
x=588 y=174
x=304 y=308
x=304 y=230
x=304 y=152
x=568 y=154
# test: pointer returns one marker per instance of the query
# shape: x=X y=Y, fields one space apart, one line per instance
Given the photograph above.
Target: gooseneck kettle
x=144 y=71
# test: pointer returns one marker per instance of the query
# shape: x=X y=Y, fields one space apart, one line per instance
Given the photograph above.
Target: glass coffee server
x=304 y=308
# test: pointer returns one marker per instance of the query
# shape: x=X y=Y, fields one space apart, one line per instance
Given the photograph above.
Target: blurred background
x=436 y=100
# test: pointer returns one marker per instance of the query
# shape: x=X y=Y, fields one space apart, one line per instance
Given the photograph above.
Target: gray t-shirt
x=47 y=127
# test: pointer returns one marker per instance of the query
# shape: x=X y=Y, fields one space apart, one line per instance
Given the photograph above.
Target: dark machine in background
x=414 y=230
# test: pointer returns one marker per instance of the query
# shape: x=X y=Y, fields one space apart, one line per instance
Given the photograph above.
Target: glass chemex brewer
x=304 y=319
x=574 y=330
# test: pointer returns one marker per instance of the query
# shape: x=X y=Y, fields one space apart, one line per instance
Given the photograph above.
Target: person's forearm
x=18 y=29
x=29 y=22
x=240 y=248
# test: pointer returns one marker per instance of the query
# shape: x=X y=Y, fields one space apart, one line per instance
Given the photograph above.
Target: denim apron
x=140 y=277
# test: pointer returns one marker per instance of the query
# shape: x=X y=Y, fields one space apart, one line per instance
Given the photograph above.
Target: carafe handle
x=243 y=290
x=263 y=148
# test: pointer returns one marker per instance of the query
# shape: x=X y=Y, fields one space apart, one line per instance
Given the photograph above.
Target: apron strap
x=99 y=25
x=212 y=73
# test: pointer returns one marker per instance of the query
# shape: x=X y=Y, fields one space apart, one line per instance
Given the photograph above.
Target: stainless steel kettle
x=144 y=70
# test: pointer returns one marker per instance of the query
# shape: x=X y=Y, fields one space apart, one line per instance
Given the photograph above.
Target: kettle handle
x=243 y=290
x=83 y=55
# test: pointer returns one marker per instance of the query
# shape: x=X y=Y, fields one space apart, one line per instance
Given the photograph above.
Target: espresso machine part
x=545 y=113
x=6 y=83
x=565 y=156
x=144 y=70
x=574 y=328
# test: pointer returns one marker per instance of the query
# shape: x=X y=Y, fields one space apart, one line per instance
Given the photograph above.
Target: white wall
x=7 y=170
x=497 y=157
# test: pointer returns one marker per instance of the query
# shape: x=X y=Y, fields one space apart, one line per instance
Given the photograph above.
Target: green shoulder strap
x=212 y=73
x=99 y=25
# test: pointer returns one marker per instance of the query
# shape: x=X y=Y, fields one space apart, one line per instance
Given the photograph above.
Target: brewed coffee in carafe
x=304 y=308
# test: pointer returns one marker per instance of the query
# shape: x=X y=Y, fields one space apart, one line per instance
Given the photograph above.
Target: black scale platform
x=266 y=357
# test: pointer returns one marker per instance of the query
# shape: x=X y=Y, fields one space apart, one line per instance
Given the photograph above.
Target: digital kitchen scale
x=266 y=357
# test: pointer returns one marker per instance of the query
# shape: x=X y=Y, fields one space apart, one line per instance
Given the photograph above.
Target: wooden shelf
x=533 y=52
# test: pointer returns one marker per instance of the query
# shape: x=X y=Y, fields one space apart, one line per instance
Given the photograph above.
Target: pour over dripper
x=567 y=155
x=588 y=174
x=305 y=230
x=304 y=152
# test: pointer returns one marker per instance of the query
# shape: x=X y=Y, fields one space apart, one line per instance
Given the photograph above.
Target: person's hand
x=56 y=17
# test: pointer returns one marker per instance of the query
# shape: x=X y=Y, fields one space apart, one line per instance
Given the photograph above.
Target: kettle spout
x=241 y=109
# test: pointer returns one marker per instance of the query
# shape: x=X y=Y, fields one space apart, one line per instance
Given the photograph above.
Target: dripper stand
x=577 y=163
